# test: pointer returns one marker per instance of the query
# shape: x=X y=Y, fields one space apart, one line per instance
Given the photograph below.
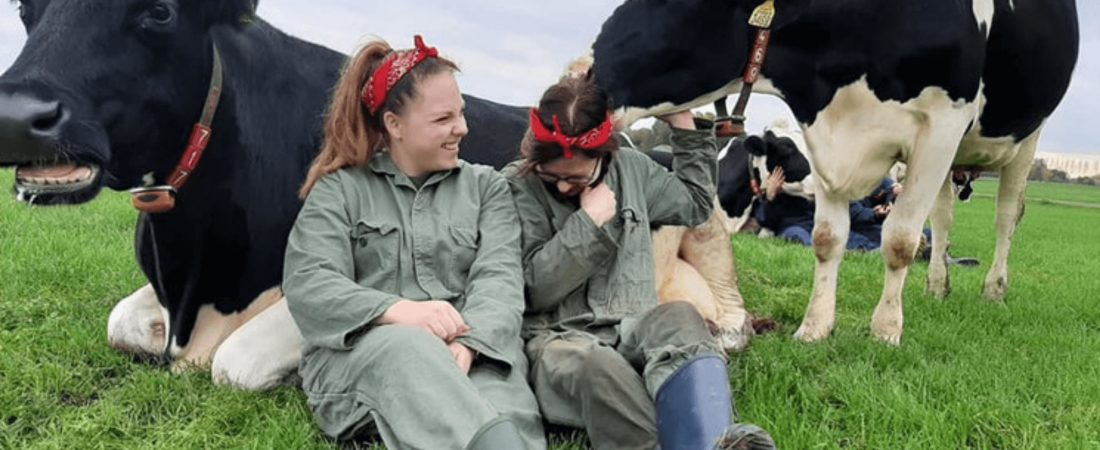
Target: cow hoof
x=996 y=290
x=893 y=339
x=886 y=329
x=938 y=290
x=810 y=332
x=735 y=339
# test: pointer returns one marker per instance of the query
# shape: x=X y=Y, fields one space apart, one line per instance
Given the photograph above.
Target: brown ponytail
x=350 y=139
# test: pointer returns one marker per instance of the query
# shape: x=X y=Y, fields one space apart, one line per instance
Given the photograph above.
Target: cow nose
x=43 y=119
x=27 y=126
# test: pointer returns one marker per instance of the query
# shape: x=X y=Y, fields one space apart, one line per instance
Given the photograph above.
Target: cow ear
x=755 y=145
x=230 y=11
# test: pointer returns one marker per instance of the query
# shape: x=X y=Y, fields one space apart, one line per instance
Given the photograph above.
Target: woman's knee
x=401 y=342
x=603 y=367
x=679 y=314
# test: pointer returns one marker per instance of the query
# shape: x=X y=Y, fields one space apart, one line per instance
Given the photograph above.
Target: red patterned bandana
x=593 y=139
x=394 y=66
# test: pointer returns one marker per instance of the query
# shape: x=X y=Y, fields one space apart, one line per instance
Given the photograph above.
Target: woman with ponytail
x=403 y=269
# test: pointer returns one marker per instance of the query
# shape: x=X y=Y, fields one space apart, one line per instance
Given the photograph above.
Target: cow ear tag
x=763 y=15
x=154 y=200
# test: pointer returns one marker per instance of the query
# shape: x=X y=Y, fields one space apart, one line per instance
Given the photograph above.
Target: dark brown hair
x=352 y=134
x=580 y=106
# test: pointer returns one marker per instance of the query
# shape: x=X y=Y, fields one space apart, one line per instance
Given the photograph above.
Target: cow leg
x=707 y=248
x=262 y=353
x=138 y=324
x=935 y=150
x=1010 y=209
x=213 y=327
x=688 y=285
x=666 y=249
x=831 y=225
x=943 y=217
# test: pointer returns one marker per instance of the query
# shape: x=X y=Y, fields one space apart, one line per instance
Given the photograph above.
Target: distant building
x=1074 y=165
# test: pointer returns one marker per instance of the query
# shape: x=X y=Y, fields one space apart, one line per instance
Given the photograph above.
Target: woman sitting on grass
x=403 y=271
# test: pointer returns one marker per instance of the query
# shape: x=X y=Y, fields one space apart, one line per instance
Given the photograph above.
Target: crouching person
x=605 y=356
x=403 y=269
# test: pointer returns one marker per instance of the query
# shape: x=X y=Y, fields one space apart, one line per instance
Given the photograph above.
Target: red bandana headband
x=394 y=66
x=593 y=139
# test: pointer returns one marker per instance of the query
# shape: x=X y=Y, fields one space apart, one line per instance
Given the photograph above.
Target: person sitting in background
x=793 y=217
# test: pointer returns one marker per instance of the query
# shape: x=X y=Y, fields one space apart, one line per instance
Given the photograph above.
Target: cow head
x=104 y=93
x=754 y=158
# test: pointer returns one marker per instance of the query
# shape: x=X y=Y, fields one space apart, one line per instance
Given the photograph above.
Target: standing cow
x=933 y=83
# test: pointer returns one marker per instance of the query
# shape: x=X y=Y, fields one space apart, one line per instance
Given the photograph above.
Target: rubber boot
x=695 y=411
x=498 y=434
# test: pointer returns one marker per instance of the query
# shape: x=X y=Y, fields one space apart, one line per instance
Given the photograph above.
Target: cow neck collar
x=733 y=125
x=161 y=198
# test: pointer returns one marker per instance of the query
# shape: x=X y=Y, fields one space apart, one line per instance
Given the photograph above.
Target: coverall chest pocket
x=463 y=252
x=375 y=245
x=634 y=274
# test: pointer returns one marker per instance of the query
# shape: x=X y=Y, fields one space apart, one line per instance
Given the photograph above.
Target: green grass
x=1048 y=192
x=969 y=374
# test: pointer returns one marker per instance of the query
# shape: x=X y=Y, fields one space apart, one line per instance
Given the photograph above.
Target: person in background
x=403 y=269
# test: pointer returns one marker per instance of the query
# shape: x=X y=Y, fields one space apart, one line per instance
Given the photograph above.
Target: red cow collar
x=162 y=198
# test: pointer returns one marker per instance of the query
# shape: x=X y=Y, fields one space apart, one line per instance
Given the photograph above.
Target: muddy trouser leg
x=401 y=379
x=663 y=339
x=669 y=339
x=591 y=381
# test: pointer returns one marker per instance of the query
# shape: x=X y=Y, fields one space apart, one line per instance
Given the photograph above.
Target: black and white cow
x=934 y=83
x=106 y=94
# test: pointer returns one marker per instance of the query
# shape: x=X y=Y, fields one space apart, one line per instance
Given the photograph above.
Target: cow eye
x=160 y=13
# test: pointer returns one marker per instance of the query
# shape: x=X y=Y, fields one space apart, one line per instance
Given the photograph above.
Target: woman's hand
x=683 y=120
x=775 y=183
x=463 y=356
x=436 y=316
x=599 y=203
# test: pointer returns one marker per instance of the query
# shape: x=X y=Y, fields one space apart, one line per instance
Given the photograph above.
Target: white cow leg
x=831 y=225
x=262 y=353
x=903 y=227
x=943 y=217
x=1010 y=209
x=707 y=248
x=138 y=324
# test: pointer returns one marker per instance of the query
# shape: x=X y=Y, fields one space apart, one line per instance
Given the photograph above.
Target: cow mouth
x=55 y=179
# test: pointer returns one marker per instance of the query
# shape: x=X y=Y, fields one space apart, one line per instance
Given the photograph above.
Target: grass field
x=969 y=374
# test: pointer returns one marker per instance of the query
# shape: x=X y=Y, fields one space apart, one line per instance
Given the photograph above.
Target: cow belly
x=857 y=138
x=987 y=153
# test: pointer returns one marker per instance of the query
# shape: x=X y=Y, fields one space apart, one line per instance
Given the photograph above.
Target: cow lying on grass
x=933 y=83
x=108 y=94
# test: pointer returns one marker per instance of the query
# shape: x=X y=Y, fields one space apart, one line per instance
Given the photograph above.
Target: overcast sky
x=510 y=51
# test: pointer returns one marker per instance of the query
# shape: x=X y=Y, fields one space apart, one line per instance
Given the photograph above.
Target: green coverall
x=368 y=237
x=592 y=319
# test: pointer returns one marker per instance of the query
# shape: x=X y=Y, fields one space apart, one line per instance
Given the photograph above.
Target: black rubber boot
x=498 y=434
x=695 y=411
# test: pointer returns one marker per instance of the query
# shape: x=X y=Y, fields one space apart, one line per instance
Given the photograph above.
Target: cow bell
x=153 y=199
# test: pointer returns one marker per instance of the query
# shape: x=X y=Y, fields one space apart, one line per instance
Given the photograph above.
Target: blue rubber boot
x=695 y=411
